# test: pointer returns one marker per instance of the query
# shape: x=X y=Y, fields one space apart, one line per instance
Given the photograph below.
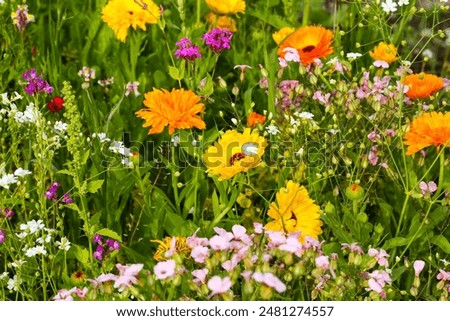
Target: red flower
x=56 y=104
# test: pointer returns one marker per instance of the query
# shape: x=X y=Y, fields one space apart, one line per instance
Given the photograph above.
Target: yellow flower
x=226 y=7
x=311 y=42
x=178 y=109
x=120 y=15
x=385 y=52
x=422 y=85
x=281 y=34
x=294 y=211
x=428 y=129
x=234 y=153
x=221 y=22
x=171 y=244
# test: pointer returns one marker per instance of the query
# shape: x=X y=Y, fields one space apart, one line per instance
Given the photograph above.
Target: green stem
x=306 y=9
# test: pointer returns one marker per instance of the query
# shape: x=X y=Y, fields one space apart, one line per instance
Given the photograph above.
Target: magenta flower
x=165 y=269
x=114 y=245
x=373 y=136
x=186 y=50
x=217 y=285
x=218 y=40
x=50 y=194
x=98 y=239
x=2 y=236
x=9 y=214
x=67 y=199
x=418 y=267
x=270 y=280
x=98 y=254
x=35 y=83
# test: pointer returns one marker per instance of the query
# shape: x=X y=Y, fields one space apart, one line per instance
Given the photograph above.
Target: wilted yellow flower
x=281 y=34
x=120 y=15
x=226 y=7
x=234 y=153
x=384 y=52
x=221 y=22
x=294 y=211
x=171 y=244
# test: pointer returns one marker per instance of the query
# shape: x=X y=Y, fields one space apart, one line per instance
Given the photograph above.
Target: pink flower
x=291 y=54
x=102 y=278
x=373 y=155
x=200 y=275
x=390 y=132
x=127 y=275
x=239 y=233
x=132 y=87
x=257 y=227
x=200 y=254
x=378 y=279
x=418 y=267
x=81 y=293
x=381 y=64
x=373 y=136
x=219 y=243
x=217 y=285
x=164 y=270
x=428 y=189
x=247 y=275
x=292 y=245
x=354 y=247
x=443 y=275
x=65 y=295
x=270 y=280
x=379 y=256
x=322 y=262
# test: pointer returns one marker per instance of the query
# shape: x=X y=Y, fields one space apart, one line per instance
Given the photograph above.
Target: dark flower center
x=309 y=48
x=236 y=157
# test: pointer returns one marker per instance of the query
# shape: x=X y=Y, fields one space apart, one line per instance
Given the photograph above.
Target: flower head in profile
x=226 y=7
x=281 y=34
x=176 y=109
x=221 y=22
x=384 y=52
x=295 y=211
x=234 y=153
x=120 y=15
x=422 y=85
x=428 y=129
x=311 y=42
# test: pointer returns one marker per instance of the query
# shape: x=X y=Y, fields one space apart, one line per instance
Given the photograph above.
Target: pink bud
x=418 y=266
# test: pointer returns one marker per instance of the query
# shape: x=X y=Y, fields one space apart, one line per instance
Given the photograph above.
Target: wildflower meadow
x=224 y=150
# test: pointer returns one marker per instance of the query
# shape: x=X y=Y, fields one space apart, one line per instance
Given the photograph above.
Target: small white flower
x=293 y=121
x=427 y=53
x=389 y=6
x=403 y=3
x=21 y=235
x=35 y=251
x=353 y=55
x=306 y=115
x=14 y=283
x=21 y=172
x=194 y=142
x=18 y=263
x=175 y=140
x=102 y=137
x=7 y=179
x=4 y=275
x=333 y=131
x=32 y=227
x=119 y=148
x=300 y=152
x=64 y=244
x=273 y=130
x=60 y=127
x=234 y=121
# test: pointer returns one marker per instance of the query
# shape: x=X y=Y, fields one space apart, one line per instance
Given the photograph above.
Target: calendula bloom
x=178 y=109
x=226 y=7
x=234 y=153
x=221 y=22
x=384 y=52
x=254 y=118
x=422 y=85
x=281 y=34
x=169 y=246
x=120 y=15
x=428 y=129
x=311 y=42
x=295 y=211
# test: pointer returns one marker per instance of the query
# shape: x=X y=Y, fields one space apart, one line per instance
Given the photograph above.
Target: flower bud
x=354 y=192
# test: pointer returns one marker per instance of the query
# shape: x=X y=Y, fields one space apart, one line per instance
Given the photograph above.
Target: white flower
x=21 y=172
x=306 y=115
x=18 y=264
x=60 y=127
x=30 y=115
x=32 y=227
x=35 y=251
x=300 y=152
x=389 y=6
x=353 y=55
x=427 y=53
x=333 y=131
x=21 y=235
x=102 y=137
x=4 y=275
x=7 y=179
x=234 y=121
x=119 y=148
x=403 y=3
x=14 y=283
x=5 y=100
x=175 y=140
x=293 y=121
x=273 y=130
x=64 y=244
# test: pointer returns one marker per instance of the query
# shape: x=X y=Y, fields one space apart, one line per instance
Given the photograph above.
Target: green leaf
x=94 y=186
x=442 y=242
x=66 y=172
x=74 y=207
x=395 y=242
x=79 y=253
x=215 y=204
x=175 y=73
x=109 y=233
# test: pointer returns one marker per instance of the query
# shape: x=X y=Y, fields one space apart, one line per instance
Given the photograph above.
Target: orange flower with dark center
x=426 y=130
x=311 y=42
x=254 y=118
x=422 y=85
x=178 y=109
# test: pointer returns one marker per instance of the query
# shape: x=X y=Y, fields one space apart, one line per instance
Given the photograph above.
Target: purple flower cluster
x=108 y=246
x=51 y=194
x=35 y=83
x=187 y=50
x=8 y=213
x=218 y=40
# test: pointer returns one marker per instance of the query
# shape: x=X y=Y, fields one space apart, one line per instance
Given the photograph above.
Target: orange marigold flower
x=178 y=109
x=221 y=22
x=120 y=15
x=384 y=52
x=226 y=7
x=281 y=34
x=254 y=118
x=422 y=85
x=311 y=42
x=426 y=130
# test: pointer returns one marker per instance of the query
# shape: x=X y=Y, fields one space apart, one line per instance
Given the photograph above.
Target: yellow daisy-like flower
x=281 y=34
x=120 y=15
x=234 y=153
x=384 y=52
x=178 y=109
x=422 y=85
x=221 y=22
x=294 y=211
x=311 y=42
x=226 y=7
x=428 y=129
x=174 y=244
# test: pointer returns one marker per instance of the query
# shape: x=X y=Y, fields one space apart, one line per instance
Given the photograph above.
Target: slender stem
x=306 y=9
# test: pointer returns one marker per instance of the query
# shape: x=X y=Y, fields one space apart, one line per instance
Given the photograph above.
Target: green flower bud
x=354 y=192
